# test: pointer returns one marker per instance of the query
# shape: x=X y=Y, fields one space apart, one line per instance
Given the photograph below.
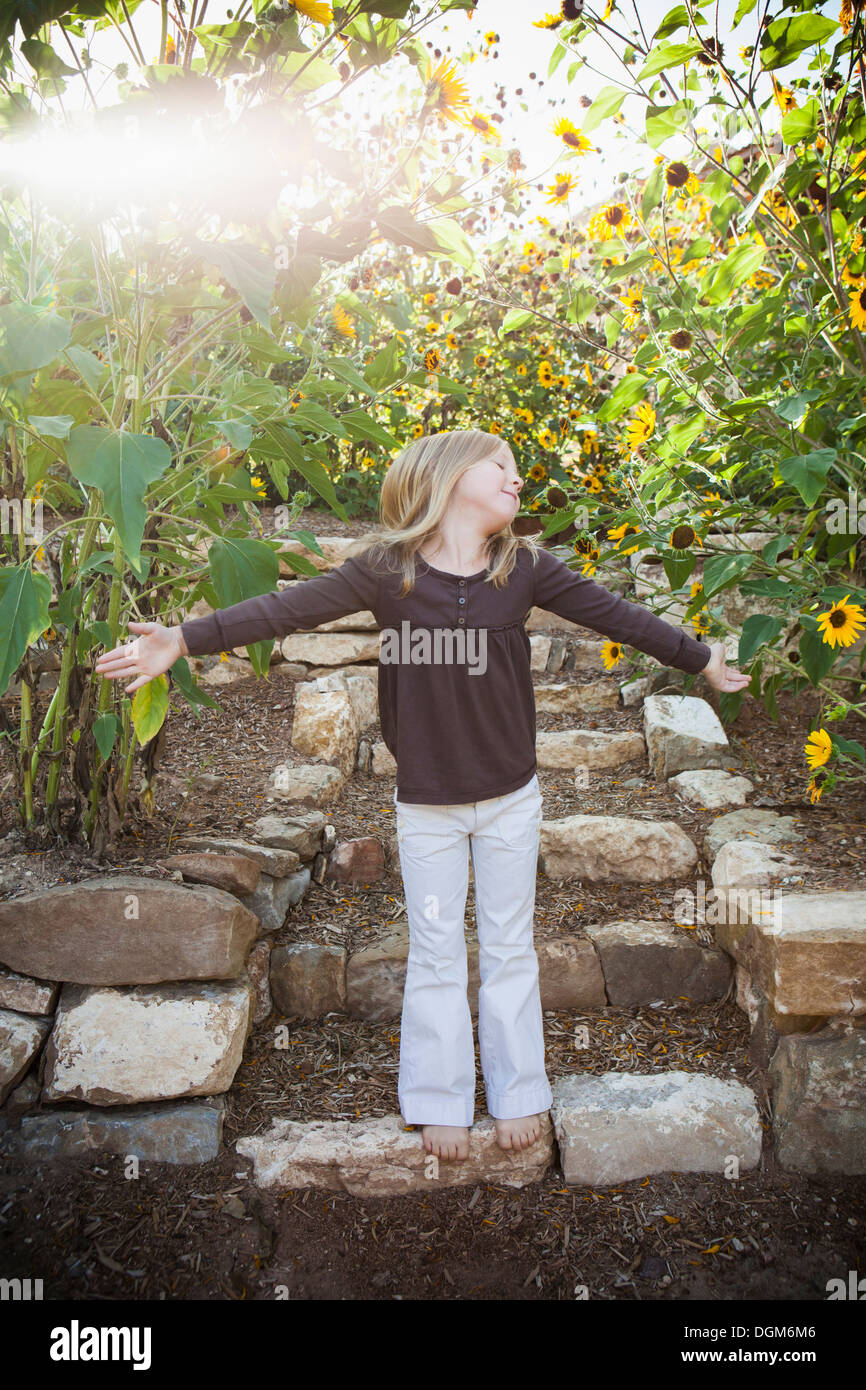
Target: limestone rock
x=313 y=784
x=119 y=1047
x=644 y=961
x=26 y=995
x=619 y=1126
x=235 y=873
x=308 y=980
x=274 y=896
x=279 y=863
x=683 y=732
x=183 y=1132
x=122 y=929
x=587 y=748
x=712 y=789
x=21 y=1036
x=753 y=823
x=331 y=648
x=819 y=1101
x=567 y=698
x=383 y=1158
x=605 y=849
x=299 y=831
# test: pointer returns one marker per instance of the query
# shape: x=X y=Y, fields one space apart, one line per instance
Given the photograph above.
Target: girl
x=451 y=585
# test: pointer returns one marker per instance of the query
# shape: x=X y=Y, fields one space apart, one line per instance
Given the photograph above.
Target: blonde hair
x=415 y=496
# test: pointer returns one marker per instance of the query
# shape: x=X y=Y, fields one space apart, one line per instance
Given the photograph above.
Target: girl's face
x=491 y=490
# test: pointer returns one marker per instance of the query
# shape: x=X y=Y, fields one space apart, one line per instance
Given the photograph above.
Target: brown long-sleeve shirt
x=458 y=713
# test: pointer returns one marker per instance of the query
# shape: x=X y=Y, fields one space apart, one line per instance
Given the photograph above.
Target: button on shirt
x=456 y=700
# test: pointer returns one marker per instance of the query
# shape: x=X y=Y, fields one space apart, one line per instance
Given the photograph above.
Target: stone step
x=600 y=1130
x=618 y=963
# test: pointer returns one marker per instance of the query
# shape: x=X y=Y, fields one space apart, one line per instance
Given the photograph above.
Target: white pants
x=436 y=1083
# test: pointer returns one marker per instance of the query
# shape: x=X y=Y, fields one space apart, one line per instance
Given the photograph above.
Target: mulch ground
x=208 y=1232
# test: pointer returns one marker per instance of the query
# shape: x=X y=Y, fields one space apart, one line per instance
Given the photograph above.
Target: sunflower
x=537 y=473
x=683 y=537
x=818 y=748
x=681 y=340
x=841 y=623
x=611 y=654
x=559 y=191
x=417 y=429
x=451 y=340
x=547 y=439
x=550 y=21
x=315 y=10
x=480 y=359
x=858 y=306
x=638 y=430
x=524 y=413
x=545 y=374
x=571 y=136
x=618 y=534
x=445 y=90
x=610 y=221
x=431 y=360
x=711 y=497
x=814 y=791
x=480 y=124
x=343 y=322
x=520 y=369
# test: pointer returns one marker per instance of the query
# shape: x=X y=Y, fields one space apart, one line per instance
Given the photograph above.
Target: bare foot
x=518 y=1134
x=446 y=1141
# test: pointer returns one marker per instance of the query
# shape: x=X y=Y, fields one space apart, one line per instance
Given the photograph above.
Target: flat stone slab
x=623 y=1125
x=604 y=849
x=818 y=1086
x=683 y=733
x=644 y=960
x=119 y=1047
x=591 y=748
x=122 y=929
x=805 y=952
x=181 y=1132
x=751 y=823
x=276 y=862
x=383 y=1158
x=711 y=788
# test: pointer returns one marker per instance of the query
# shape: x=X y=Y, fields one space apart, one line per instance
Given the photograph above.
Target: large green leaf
x=29 y=338
x=25 y=595
x=399 y=225
x=149 y=708
x=122 y=466
x=722 y=570
x=250 y=272
x=606 y=104
x=808 y=472
x=785 y=39
x=669 y=55
x=759 y=629
x=279 y=442
x=742 y=262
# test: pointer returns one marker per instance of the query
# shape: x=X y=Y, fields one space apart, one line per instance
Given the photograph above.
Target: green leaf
x=758 y=631
x=677 y=18
x=359 y=426
x=816 y=655
x=722 y=570
x=29 y=338
x=663 y=122
x=45 y=61
x=785 y=39
x=801 y=124
x=742 y=262
x=122 y=466
x=515 y=318
x=627 y=392
x=808 y=472
x=345 y=369
x=88 y=366
x=248 y=271
x=606 y=104
x=678 y=568
x=237 y=432
x=397 y=224
x=653 y=191
x=385 y=367
x=55 y=426
x=743 y=8
x=315 y=417
x=25 y=596
x=106 y=728
x=451 y=237
x=282 y=443
x=668 y=55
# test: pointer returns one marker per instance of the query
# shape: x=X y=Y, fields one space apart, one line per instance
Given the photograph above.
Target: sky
x=527 y=119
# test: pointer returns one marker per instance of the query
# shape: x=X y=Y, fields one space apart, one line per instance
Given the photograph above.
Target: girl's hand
x=717 y=674
x=158 y=648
